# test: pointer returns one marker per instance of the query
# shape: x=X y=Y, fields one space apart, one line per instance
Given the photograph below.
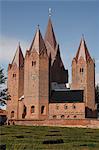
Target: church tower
x=58 y=73
x=83 y=76
x=15 y=84
x=36 y=80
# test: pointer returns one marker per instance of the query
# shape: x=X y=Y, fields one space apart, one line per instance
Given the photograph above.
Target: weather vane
x=50 y=12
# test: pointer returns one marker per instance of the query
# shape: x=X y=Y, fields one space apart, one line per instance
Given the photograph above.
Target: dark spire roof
x=38 y=43
x=18 y=58
x=49 y=35
x=83 y=51
x=58 y=59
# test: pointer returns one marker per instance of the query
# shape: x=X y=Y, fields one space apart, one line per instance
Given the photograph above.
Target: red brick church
x=37 y=83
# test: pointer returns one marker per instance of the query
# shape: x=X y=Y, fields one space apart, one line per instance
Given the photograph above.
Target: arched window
x=33 y=63
x=42 y=109
x=12 y=114
x=62 y=116
x=81 y=70
x=54 y=116
x=14 y=75
x=24 y=111
x=74 y=107
x=68 y=116
x=75 y=116
x=65 y=106
x=32 y=109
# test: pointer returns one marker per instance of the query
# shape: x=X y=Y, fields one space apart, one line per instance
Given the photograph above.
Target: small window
x=12 y=114
x=57 y=107
x=32 y=109
x=65 y=107
x=14 y=75
x=33 y=63
x=74 y=107
x=75 y=116
x=42 y=109
x=68 y=116
x=81 y=70
x=62 y=116
x=54 y=117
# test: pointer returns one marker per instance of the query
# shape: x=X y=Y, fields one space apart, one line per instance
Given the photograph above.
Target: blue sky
x=71 y=19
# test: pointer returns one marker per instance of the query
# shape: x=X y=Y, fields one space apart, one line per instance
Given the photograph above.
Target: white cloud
x=97 y=78
x=97 y=61
x=8 y=47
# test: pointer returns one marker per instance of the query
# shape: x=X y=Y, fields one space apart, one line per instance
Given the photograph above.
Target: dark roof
x=58 y=72
x=69 y=96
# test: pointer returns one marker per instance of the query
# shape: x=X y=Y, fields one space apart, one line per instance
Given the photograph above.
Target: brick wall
x=85 y=80
x=36 y=84
x=93 y=123
x=67 y=110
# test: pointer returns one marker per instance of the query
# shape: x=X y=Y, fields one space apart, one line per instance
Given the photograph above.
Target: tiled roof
x=38 y=43
x=18 y=58
x=50 y=36
x=83 y=51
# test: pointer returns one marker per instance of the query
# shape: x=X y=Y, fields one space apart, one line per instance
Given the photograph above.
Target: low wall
x=91 y=123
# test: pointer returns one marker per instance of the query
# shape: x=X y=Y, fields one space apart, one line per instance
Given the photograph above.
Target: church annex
x=37 y=83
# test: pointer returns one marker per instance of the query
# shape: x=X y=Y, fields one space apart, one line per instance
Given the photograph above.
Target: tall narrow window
x=14 y=75
x=24 y=111
x=33 y=63
x=82 y=70
x=42 y=109
x=32 y=109
x=12 y=114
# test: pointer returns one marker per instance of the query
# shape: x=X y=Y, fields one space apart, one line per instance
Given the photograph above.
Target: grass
x=49 y=138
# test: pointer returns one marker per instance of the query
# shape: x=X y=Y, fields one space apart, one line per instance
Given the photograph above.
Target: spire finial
x=38 y=26
x=82 y=36
x=19 y=43
x=50 y=12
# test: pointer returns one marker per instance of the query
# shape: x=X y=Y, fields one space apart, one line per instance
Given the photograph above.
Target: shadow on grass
x=53 y=135
x=59 y=141
x=88 y=145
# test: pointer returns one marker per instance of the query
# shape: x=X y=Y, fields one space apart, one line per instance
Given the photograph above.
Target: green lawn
x=37 y=138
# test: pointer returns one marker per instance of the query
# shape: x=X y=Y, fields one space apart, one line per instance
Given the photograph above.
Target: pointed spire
x=38 y=43
x=58 y=57
x=50 y=36
x=18 y=58
x=83 y=51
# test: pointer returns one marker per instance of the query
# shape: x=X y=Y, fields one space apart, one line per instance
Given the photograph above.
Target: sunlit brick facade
x=37 y=83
